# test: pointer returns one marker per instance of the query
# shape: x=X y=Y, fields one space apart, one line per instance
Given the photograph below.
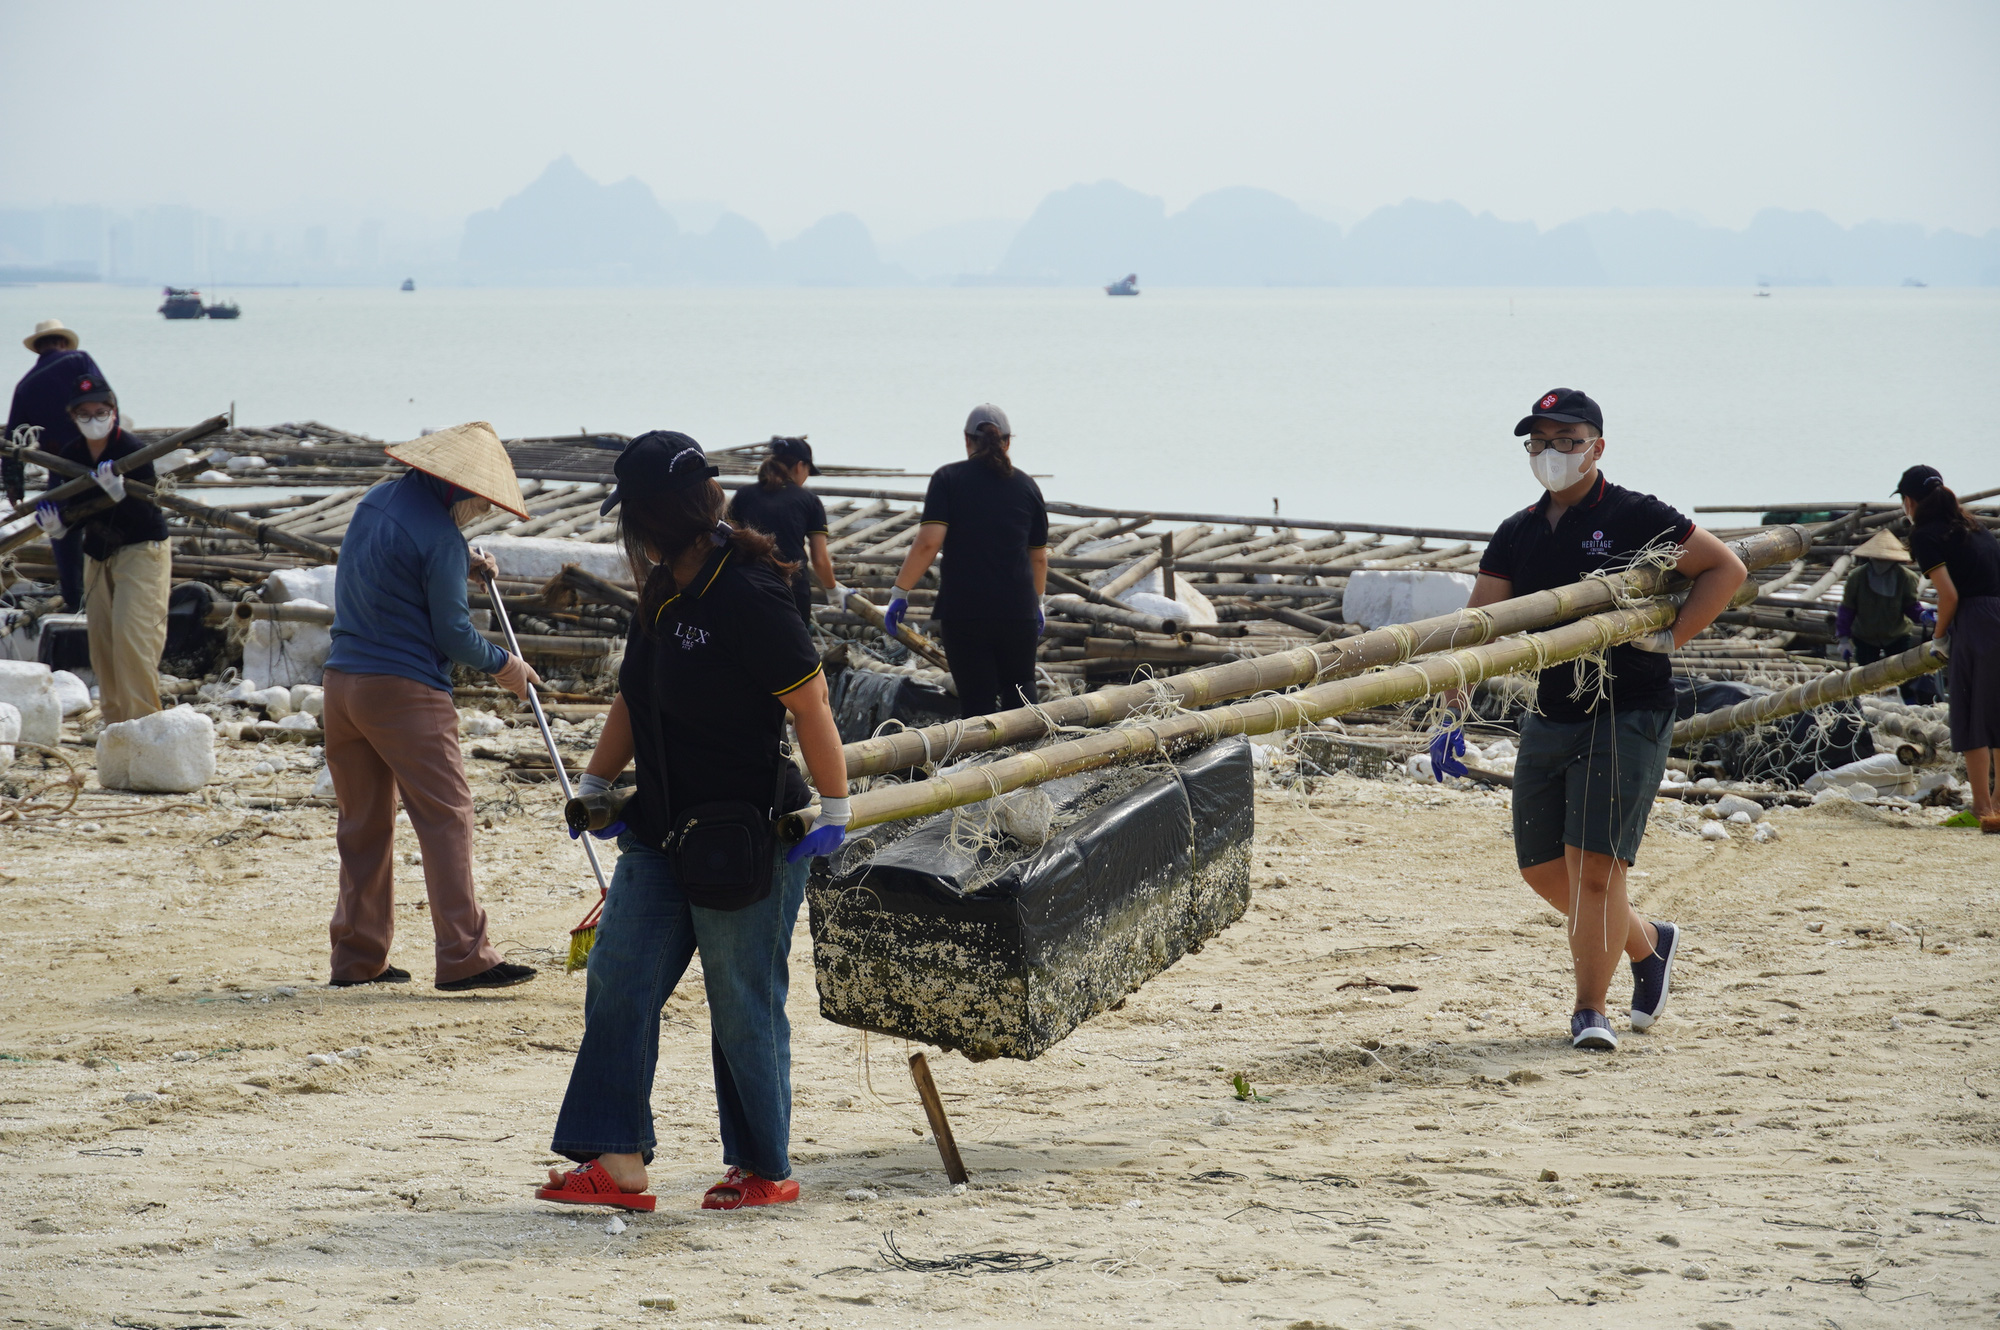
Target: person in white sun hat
x=401 y=619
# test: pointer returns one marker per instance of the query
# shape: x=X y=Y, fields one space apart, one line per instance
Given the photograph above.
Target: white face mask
x=97 y=427
x=1558 y=471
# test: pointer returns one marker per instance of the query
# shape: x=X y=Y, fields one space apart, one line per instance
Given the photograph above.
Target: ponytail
x=1940 y=505
x=775 y=474
x=989 y=445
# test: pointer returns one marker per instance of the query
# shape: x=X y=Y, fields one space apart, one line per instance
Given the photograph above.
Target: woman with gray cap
x=1962 y=560
x=989 y=522
x=716 y=658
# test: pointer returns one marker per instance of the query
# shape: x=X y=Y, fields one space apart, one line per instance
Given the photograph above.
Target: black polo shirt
x=1603 y=532
x=991 y=521
x=703 y=688
x=1971 y=557
x=788 y=515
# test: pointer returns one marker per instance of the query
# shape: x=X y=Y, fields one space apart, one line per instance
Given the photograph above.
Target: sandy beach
x=1806 y=1139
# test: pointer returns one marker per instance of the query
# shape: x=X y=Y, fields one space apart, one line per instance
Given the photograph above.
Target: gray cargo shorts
x=1587 y=783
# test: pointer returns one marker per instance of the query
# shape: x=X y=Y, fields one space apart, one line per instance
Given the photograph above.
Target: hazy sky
x=916 y=114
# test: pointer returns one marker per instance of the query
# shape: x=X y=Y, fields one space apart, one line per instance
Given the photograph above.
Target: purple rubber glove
x=1446 y=749
x=828 y=830
x=899 y=605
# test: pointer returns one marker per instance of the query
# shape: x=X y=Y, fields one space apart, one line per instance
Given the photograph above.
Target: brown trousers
x=125 y=615
x=387 y=735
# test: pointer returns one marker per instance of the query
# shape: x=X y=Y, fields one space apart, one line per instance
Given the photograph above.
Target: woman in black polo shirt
x=716 y=657
x=1962 y=560
x=781 y=506
x=989 y=522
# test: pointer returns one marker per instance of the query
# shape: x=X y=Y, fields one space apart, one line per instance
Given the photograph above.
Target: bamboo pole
x=1403 y=683
x=1834 y=687
x=908 y=636
x=71 y=488
x=1289 y=669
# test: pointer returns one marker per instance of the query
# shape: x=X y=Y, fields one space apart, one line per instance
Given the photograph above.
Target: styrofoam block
x=10 y=732
x=167 y=752
x=72 y=693
x=537 y=559
x=30 y=687
x=276 y=701
x=289 y=584
x=323 y=784
x=1188 y=605
x=298 y=720
x=281 y=654
x=1378 y=596
x=309 y=698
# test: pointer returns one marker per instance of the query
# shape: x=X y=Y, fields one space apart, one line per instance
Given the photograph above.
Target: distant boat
x=1915 y=281
x=1127 y=287
x=182 y=304
x=1764 y=290
x=409 y=284
x=226 y=309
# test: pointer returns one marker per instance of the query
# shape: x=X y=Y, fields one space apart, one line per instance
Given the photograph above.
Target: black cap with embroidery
x=657 y=462
x=1918 y=481
x=1568 y=406
x=90 y=388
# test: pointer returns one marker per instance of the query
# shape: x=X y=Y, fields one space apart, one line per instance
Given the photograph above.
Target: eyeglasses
x=85 y=413
x=1536 y=447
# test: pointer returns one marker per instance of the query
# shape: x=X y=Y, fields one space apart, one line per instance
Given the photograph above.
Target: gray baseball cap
x=989 y=414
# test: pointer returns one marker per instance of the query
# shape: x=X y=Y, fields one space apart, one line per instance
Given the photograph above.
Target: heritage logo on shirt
x=1597 y=544
x=690 y=636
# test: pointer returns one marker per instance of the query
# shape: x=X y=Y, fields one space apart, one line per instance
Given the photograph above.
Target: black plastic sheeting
x=902 y=945
x=1789 y=750
x=863 y=700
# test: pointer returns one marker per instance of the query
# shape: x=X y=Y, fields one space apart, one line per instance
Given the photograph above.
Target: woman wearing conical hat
x=400 y=622
x=1880 y=614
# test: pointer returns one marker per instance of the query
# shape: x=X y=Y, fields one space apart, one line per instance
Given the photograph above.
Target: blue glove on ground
x=828 y=830
x=899 y=605
x=1446 y=749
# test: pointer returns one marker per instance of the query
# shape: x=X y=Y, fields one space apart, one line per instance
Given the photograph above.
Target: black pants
x=1920 y=691
x=992 y=662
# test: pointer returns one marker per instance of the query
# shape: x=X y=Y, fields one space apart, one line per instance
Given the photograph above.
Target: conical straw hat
x=1882 y=545
x=469 y=456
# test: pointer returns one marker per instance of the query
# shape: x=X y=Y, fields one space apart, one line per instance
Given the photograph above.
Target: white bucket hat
x=469 y=456
x=52 y=328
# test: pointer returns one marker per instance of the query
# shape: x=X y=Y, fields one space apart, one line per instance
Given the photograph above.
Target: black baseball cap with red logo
x=90 y=388
x=1568 y=406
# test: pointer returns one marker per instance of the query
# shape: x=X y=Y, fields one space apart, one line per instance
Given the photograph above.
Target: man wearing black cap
x=41 y=400
x=1594 y=749
x=781 y=506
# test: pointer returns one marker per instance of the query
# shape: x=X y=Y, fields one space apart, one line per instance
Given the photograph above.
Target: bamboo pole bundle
x=1835 y=687
x=1403 y=683
x=854 y=516
x=873 y=531
x=1076 y=607
x=1289 y=669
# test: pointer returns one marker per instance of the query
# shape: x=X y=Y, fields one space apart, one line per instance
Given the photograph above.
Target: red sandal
x=591 y=1185
x=750 y=1190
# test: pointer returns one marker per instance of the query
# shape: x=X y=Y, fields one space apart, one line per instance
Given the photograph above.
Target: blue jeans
x=648 y=934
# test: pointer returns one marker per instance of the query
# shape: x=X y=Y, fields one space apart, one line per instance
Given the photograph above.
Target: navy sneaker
x=1650 y=978
x=1589 y=1029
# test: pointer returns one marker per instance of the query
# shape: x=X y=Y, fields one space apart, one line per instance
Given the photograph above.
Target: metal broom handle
x=541 y=719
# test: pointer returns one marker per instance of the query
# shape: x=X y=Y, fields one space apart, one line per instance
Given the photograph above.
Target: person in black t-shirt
x=989 y=522
x=781 y=506
x=1962 y=560
x=716 y=657
x=1592 y=755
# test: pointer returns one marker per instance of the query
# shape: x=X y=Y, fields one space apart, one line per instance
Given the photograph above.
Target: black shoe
x=392 y=975
x=504 y=975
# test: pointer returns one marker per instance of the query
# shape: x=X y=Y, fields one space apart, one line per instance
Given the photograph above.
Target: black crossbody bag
x=725 y=852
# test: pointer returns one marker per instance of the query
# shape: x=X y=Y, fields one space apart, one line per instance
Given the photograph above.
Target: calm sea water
x=1393 y=405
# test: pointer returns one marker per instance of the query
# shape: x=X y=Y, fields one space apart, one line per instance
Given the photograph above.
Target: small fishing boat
x=409 y=284
x=1127 y=286
x=1917 y=282
x=182 y=303
x=225 y=309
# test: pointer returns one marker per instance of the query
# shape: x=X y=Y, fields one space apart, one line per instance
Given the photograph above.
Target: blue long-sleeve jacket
x=399 y=600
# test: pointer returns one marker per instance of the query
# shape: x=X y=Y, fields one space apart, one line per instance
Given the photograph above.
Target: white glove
x=1660 y=640
x=590 y=783
x=109 y=481
x=839 y=595
x=49 y=518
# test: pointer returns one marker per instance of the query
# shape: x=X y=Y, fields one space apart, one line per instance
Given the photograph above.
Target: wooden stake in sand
x=947 y=1144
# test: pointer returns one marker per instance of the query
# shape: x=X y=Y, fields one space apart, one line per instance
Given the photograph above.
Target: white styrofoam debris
x=72 y=693
x=1714 y=831
x=281 y=654
x=309 y=698
x=478 y=725
x=1188 y=604
x=288 y=584
x=1764 y=833
x=10 y=732
x=1882 y=773
x=1739 y=818
x=537 y=558
x=1729 y=805
x=30 y=687
x=246 y=462
x=299 y=720
x=276 y=700
x=1378 y=596
x=168 y=752
x=323 y=784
